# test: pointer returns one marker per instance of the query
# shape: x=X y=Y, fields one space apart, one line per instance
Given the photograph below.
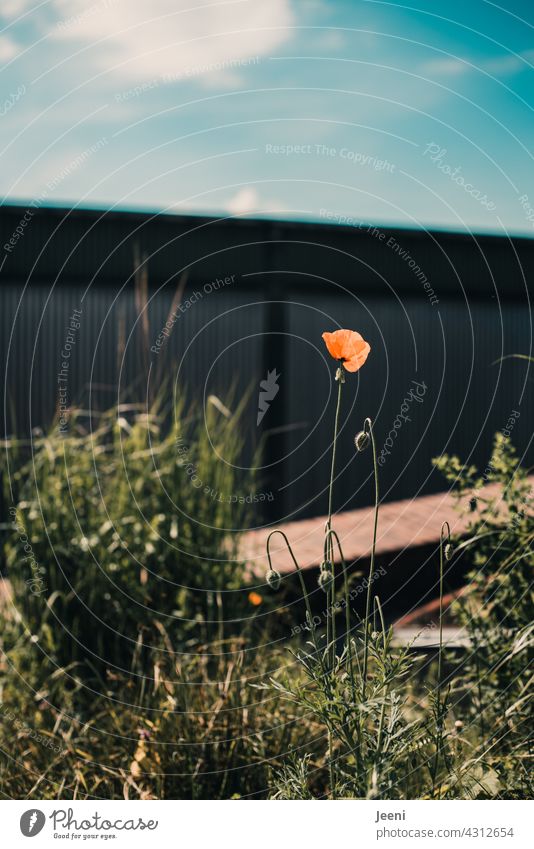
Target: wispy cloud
x=13 y=8
x=8 y=48
x=135 y=41
x=246 y=200
x=501 y=65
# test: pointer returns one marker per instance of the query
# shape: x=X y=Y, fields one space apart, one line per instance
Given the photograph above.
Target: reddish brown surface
x=401 y=525
x=429 y=612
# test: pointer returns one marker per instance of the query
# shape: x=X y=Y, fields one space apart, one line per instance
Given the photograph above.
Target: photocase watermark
x=75 y=163
x=403 y=254
x=63 y=374
x=89 y=12
x=415 y=394
x=184 y=306
x=389 y=242
x=338 y=606
x=191 y=470
x=11 y=100
x=29 y=732
x=490 y=468
x=356 y=157
x=184 y=74
x=20 y=229
x=437 y=154
x=268 y=391
x=64 y=820
x=32 y=822
x=35 y=583
x=527 y=208
x=52 y=184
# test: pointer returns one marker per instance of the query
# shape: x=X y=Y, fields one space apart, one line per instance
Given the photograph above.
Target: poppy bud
x=448 y=551
x=340 y=375
x=362 y=440
x=273 y=578
x=326 y=579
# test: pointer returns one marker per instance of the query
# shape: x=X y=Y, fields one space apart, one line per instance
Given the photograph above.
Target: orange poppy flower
x=255 y=598
x=348 y=347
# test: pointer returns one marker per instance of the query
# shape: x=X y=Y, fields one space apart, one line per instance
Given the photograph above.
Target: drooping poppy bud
x=326 y=577
x=273 y=578
x=362 y=441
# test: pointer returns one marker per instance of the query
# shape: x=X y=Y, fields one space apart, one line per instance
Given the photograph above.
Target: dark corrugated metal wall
x=290 y=283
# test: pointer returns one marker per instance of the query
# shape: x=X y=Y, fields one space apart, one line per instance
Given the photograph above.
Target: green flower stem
x=331 y=626
x=331 y=597
x=333 y=617
x=333 y=534
x=334 y=445
x=368 y=427
x=298 y=569
x=445 y=528
x=445 y=525
x=220 y=616
x=377 y=609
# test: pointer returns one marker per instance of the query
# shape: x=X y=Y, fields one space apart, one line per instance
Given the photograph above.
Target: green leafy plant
x=496 y=606
x=386 y=736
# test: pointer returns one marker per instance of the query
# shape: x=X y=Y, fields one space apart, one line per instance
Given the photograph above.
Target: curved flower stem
x=445 y=534
x=329 y=559
x=298 y=569
x=331 y=533
x=368 y=427
x=378 y=609
x=444 y=528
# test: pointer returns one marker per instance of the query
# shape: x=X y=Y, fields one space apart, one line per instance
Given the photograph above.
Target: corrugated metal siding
x=466 y=401
x=199 y=353
x=291 y=283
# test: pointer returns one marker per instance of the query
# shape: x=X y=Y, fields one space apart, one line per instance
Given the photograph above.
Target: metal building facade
x=440 y=311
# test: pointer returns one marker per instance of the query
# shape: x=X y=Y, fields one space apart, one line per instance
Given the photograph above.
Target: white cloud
x=447 y=67
x=246 y=200
x=13 y=8
x=140 y=41
x=8 y=48
x=506 y=63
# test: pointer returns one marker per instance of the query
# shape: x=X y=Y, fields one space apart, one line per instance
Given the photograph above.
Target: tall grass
x=129 y=665
x=133 y=520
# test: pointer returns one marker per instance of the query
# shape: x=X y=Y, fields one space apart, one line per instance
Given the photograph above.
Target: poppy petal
x=348 y=346
x=357 y=361
x=333 y=345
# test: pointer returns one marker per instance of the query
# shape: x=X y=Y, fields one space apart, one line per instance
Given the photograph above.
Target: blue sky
x=380 y=112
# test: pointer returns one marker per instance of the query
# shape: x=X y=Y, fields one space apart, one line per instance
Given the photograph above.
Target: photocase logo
x=268 y=391
x=32 y=822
